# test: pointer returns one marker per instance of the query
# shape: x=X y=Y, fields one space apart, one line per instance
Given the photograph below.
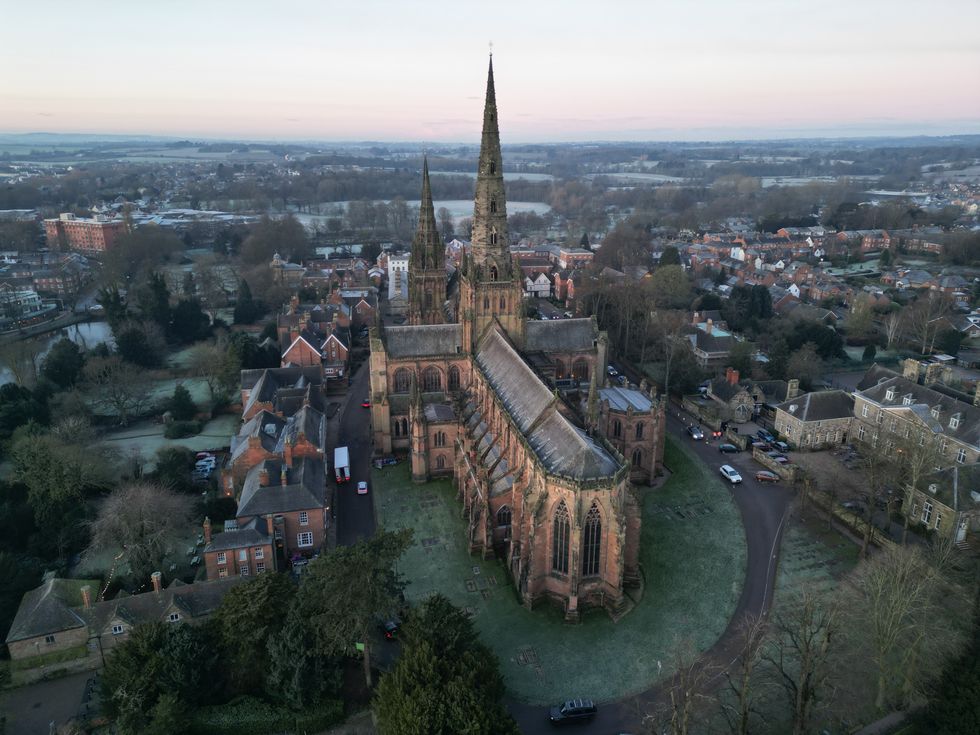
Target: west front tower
x=427 y=264
x=490 y=284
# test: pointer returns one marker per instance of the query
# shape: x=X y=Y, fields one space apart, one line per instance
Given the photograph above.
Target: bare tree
x=22 y=357
x=880 y=473
x=217 y=365
x=671 y=330
x=685 y=692
x=920 y=456
x=908 y=619
x=893 y=325
x=922 y=318
x=739 y=695
x=117 y=386
x=213 y=285
x=142 y=519
x=799 y=651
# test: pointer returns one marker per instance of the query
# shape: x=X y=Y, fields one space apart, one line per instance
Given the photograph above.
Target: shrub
x=251 y=716
x=180 y=429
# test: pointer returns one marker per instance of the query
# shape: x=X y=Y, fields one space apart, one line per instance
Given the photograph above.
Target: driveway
x=31 y=709
x=764 y=509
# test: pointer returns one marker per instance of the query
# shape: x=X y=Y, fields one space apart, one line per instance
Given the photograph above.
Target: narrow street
x=354 y=514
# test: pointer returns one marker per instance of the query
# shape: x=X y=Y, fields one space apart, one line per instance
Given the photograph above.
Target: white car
x=730 y=474
x=362 y=488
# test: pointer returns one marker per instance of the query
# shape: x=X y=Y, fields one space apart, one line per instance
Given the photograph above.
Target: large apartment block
x=94 y=235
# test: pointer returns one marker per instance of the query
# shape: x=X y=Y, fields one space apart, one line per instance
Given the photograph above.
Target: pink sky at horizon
x=565 y=70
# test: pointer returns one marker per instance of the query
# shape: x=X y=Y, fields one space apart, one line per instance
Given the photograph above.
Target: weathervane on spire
x=491 y=49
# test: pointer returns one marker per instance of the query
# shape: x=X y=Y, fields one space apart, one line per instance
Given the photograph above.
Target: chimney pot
x=86 y=597
x=283 y=476
x=264 y=477
x=157 y=579
x=207 y=530
x=733 y=376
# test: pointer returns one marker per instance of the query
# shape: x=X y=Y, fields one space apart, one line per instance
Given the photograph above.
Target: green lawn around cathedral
x=693 y=558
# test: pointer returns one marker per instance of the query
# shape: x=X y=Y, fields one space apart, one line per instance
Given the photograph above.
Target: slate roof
x=305 y=488
x=47 y=609
x=423 y=340
x=957 y=486
x=820 y=406
x=622 y=398
x=923 y=401
x=876 y=373
x=253 y=533
x=256 y=428
x=560 y=335
x=440 y=412
x=711 y=343
x=562 y=447
x=306 y=422
x=278 y=385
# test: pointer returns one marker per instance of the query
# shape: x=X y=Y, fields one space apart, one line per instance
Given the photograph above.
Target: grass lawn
x=693 y=558
x=144 y=438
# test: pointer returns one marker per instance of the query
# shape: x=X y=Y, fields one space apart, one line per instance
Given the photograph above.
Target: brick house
x=633 y=423
x=267 y=436
x=293 y=497
x=282 y=391
x=242 y=552
x=711 y=345
x=950 y=504
x=816 y=420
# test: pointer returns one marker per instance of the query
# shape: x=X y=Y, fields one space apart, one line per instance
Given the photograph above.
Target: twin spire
x=427 y=244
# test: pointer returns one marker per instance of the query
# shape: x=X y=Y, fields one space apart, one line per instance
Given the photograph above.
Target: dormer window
x=935 y=412
x=954 y=421
x=907 y=400
x=890 y=394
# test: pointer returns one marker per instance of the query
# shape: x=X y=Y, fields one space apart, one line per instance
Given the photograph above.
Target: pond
x=86 y=335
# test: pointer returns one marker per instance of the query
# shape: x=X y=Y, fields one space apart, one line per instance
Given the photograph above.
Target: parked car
x=730 y=474
x=728 y=449
x=366 y=403
x=574 y=710
x=384 y=462
x=766 y=476
x=695 y=432
x=765 y=436
x=781 y=446
x=610 y=370
x=761 y=445
x=362 y=488
x=390 y=628
x=203 y=455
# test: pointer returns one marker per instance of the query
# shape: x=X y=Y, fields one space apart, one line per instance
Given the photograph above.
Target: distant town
x=662 y=438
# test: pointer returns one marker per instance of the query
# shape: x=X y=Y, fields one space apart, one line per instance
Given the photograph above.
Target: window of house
x=243 y=570
x=961 y=456
x=935 y=412
x=259 y=567
x=939 y=520
x=908 y=431
x=243 y=555
x=861 y=433
x=591 y=542
x=864 y=410
x=954 y=421
x=259 y=552
x=173 y=617
x=879 y=417
x=221 y=557
x=304 y=539
x=943 y=446
x=639 y=431
x=304 y=518
x=223 y=572
x=277 y=533
x=926 y=512
x=907 y=400
x=893 y=425
x=49 y=639
x=560 y=531
x=915 y=509
x=117 y=630
x=890 y=394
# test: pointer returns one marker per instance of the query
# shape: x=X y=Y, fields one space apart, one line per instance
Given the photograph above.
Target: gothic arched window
x=617 y=429
x=560 y=531
x=503 y=516
x=503 y=303
x=637 y=458
x=440 y=462
x=493 y=268
x=440 y=439
x=493 y=164
x=493 y=238
x=428 y=300
x=639 y=431
x=591 y=542
x=403 y=380
x=397 y=427
x=486 y=303
x=580 y=370
x=431 y=379
x=453 y=377
x=493 y=205
x=559 y=369
x=404 y=427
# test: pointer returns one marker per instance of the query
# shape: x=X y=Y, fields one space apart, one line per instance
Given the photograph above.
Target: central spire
x=491 y=252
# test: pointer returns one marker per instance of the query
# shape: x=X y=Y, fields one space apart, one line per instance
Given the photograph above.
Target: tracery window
x=637 y=458
x=431 y=379
x=560 y=532
x=503 y=516
x=453 y=377
x=591 y=542
x=403 y=380
x=639 y=431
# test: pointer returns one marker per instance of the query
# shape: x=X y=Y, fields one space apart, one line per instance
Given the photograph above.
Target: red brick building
x=245 y=551
x=95 y=235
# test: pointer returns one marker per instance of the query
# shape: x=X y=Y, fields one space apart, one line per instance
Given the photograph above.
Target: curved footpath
x=764 y=509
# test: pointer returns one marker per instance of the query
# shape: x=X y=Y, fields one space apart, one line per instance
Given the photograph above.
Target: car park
x=766 y=476
x=728 y=449
x=761 y=445
x=730 y=474
x=781 y=446
x=362 y=488
x=695 y=433
x=571 y=711
x=765 y=436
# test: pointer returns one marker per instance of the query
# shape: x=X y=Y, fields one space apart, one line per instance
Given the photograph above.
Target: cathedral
x=471 y=389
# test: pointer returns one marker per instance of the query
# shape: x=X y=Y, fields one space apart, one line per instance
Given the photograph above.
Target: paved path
x=31 y=709
x=764 y=509
x=355 y=513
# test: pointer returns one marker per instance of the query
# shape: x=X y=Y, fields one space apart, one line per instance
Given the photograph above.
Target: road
x=764 y=509
x=355 y=513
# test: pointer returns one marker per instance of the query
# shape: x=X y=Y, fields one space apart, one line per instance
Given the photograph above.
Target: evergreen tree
x=153 y=300
x=181 y=405
x=189 y=322
x=296 y=674
x=869 y=352
x=63 y=364
x=247 y=310
x=670 y=256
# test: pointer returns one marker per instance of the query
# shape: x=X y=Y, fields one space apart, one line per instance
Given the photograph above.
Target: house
x=538 y=287
x=711 y=345
x=285 y=273
x=240 y=552
x=950 y=503
x=816 y=420
x=282 y=391
x=267 y=436
x=62 y=623
x=293 y=497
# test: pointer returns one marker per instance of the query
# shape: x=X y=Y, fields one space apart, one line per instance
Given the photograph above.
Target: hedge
x=180 y=429
x=251 y=716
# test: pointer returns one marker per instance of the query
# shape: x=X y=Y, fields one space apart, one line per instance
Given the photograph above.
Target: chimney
x=207 y=530
x=157 y=579
x=287 y=452
x=86 y=597
x=792 y=389
x=283 y=476
x=710 y=326
x=264 y=476
x=910 y=369
x=731 y=375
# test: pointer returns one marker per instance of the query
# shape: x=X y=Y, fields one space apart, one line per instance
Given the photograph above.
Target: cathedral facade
x=467 y=388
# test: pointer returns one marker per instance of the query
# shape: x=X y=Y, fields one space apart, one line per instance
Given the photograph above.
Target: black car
x=728 y=449
x=765 y=436
x=695 y=432
x=574 y=710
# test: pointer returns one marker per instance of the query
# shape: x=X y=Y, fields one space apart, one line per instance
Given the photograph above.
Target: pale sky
x=566 y=70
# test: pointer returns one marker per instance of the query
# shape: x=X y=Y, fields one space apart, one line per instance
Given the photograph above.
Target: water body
x=459 y=208
x=86 y=335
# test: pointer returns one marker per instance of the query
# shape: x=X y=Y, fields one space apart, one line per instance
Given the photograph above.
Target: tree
x=345 y=591
x=63 y=363
x=140 y=343
x=919 y=456
x=670 y=256
x=113 y=305
x=740 y=358
x=670 y=288
x=922 y=319
x=685 y=692
x=143 y=519
x=869 y=352
x=800 y=651
x=880 y=472
x=446 y=225
x=670 y=328
x=190 y=323
x=949 y=341
x=247 y=309
x=173 y=468
x=907 y=619
x=181 y=405
x=257 y=606
x=153 y=301
x=805 y=365
x=22 y=358
x=739 y=694
x=116 y=386
x=893 y=325
x=219 y=365
x=445 y=681
x=19 y=406
x=139 y=251
x=296 y=674
x=285 y=236
x=188 y=286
